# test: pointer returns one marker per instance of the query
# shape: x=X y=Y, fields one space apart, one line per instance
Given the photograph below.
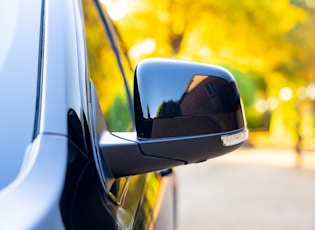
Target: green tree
x=269 y=43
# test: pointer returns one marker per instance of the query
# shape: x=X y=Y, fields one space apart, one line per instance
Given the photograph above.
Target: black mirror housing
x=185 y=112
x=179 y=98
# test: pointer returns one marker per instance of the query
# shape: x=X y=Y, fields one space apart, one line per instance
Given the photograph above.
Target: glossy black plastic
x=176 y=98
x=185 y=112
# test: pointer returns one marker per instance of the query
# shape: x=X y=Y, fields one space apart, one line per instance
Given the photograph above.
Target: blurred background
x=269 y=46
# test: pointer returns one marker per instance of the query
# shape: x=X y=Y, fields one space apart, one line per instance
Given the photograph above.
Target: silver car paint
x=30 y=199
x=18 y=83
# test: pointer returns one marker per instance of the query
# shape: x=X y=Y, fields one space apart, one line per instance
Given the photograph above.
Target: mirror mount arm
x=126 y=154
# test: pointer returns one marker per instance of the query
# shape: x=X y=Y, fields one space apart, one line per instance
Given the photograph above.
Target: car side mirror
x=185 y=112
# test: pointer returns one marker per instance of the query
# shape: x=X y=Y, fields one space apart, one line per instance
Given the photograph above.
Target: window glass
x=107 y=75
x=105 y=72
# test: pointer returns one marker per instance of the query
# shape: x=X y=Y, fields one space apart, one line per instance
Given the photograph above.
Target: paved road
x=248 y=189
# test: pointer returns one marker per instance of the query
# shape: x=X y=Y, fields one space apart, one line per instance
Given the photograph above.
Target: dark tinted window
x=107 y=76
x=105 y=70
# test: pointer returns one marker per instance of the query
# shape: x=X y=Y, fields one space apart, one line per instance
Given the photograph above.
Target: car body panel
x=18 y=83
x=60 y=66
x=31 y=201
